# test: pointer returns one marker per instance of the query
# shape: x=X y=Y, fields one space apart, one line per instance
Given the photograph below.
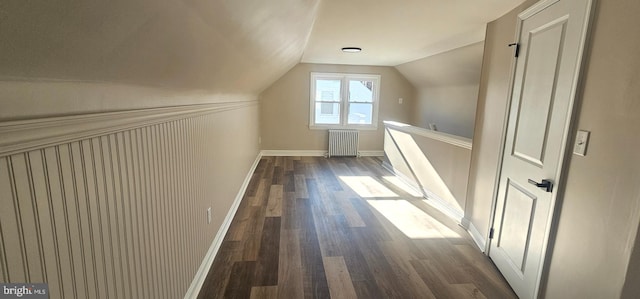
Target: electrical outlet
x=209 y=215
x=400 y=100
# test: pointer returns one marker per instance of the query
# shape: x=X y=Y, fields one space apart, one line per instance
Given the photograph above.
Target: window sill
x=344 y=127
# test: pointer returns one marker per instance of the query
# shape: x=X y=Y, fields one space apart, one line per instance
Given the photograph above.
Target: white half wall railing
x=433 y=162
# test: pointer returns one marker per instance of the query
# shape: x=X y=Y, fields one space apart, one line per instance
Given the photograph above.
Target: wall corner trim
x=201 y=275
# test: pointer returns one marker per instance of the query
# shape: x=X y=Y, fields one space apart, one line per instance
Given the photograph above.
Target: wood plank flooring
x=312 y=227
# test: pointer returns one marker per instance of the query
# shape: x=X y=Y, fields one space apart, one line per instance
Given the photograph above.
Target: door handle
x=547 y=185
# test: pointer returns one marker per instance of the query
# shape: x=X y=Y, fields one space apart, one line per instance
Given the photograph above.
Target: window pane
x=360 y=113
x=328 y=113
x=328 y=90
x=360 y=91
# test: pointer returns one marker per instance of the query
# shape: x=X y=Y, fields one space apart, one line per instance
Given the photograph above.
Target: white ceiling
x=457 y=67
x=226 y=46
x=394 y=32
x=215 y=45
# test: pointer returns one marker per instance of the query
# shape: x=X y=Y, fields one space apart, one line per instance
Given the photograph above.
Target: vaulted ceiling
x=396 y=32
x=225 y=46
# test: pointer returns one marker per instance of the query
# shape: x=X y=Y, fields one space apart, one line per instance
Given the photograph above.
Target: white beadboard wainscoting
x=114 y=204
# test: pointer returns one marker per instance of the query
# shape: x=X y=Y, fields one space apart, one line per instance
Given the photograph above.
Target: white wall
x=451 y=108
x=447 y=89
x=599 y=213
x=284 y=106
x=435 y=162
x=76 y=58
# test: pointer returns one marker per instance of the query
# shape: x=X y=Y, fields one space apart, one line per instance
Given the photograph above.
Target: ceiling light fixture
x=351 y=49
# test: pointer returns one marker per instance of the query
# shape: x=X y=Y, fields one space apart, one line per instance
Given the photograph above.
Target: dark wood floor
x=312 y=227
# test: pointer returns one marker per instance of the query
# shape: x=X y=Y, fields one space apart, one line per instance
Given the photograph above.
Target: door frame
x=567 y=136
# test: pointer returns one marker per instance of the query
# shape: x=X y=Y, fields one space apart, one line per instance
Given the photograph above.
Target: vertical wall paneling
x=155 y=206
x=188 y=274
x=4 y=193
x=171 y=212
x=28 y=221
x=11 y=238
x=85 y=199
x=168 y=174
x=111 y=212
x=43 y=214
x=192 y=178
x=175 y=211
x=182 y=183
x=101 y=216
x=134 y=198
x=140 y=219
x=151 y=219
x=196 y=154
x=60 y=226
x=177 y=205
x=118 y=177
x=71 y=220
x=91 y=236
x=162 y=205
x=117 y=210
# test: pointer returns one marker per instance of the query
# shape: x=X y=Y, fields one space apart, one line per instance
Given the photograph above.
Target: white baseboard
x=443 y=206
x=313 y=153
x=408 y=181
x=293 y=153
x=475 y=234
x=200 y=276
x=432 y=199
x=465 y=223
x=371 y=153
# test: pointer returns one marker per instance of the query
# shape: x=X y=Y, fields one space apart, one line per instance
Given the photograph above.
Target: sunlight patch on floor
x=412 y=221
x=396 y=181
x=367 y=186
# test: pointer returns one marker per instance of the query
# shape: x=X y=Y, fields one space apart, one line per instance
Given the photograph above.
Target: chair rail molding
x=24 y=135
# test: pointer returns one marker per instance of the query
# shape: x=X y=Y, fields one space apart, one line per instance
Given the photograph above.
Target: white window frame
x=344 y=100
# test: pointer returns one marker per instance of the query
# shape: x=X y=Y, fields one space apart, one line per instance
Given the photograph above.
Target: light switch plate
x=582 y=139
x=209 y=215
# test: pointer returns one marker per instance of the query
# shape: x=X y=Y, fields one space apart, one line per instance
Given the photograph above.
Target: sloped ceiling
x=457 y=67
x=225 y=46
x=396 y=32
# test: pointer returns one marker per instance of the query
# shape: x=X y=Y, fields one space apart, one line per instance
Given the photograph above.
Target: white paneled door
x=551 y=37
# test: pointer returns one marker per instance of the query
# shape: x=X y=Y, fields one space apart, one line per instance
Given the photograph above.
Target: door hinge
x=517 y=48
x=491 y=233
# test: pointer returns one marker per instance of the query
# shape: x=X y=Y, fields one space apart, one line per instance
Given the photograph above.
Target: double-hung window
x=344 y=101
